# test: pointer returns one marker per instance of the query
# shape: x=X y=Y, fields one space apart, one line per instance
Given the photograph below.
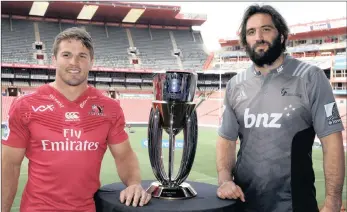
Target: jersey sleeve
x=16 y=133
x=117 y=133
x=230 y=126
x=325 y=115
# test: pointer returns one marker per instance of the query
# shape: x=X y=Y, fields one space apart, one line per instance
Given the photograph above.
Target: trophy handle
x=155 y=132
x=190 y=132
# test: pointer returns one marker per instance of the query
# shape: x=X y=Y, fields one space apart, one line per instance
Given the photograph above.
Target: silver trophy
x=173 y=110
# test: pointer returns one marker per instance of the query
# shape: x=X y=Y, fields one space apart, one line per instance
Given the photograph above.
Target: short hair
x=76 y=33
x=278 y=20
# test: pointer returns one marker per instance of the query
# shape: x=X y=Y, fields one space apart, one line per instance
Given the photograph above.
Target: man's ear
x=54 y=60
x=92 y=63
x=282 y=38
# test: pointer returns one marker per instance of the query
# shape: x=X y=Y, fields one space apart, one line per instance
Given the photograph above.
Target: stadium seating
x=155 y=47
x=192 y=51
x=48 y=31
x=17 y=41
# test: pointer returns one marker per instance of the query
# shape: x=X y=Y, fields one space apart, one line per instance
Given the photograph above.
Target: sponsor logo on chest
x=43 y=108
x=72 y=116
x=84 y=102
x=267 y=120
x=61 y=105
x=241 y=96
x=71 y=142
x=97 y=110
x=286 y=92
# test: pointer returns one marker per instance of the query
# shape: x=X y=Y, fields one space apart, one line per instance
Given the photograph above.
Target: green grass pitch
x=204 y=168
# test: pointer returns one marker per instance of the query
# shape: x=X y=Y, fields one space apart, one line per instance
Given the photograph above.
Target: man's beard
x=265 y=57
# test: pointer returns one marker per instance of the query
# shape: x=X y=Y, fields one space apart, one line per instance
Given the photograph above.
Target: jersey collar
x=51 y=90
x=276 y=70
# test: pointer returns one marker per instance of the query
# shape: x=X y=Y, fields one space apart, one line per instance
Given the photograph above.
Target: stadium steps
x=174 y=46
x=48 y=31
x=130 y=39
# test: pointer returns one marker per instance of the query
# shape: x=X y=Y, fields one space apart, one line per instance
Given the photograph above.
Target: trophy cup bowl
x=173 y=111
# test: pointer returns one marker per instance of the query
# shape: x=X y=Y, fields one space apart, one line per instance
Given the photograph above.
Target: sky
x=223 y=18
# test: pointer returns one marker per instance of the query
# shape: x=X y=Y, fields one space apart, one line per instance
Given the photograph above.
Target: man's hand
x=135 y=194
x=229 y=190
x=330 y=209
x=332 y=205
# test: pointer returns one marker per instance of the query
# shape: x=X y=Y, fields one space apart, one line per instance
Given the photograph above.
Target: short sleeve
x=16 y=133
x=230 y=126
x=117 y=133
x=325 y=115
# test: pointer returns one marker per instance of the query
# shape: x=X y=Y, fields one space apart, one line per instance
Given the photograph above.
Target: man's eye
x=250 y=32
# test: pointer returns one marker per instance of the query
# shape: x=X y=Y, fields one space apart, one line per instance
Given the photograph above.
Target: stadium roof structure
x=115 y=12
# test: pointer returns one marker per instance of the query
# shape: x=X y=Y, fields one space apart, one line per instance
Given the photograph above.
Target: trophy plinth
x=172 y=111
x=183 y=191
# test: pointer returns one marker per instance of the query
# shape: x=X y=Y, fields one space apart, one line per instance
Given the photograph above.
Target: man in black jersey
x=276 y=108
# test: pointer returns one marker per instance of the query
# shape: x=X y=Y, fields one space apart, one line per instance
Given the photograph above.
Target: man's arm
x=14 y=144
x=226 y=141
x=127 y=163
x=226 y=157
x=129 y=172
x=334 y=169
x=328 y=125
x=11 y=160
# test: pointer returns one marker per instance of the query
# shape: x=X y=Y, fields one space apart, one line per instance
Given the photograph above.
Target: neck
x=70 y=92
x=266 y=68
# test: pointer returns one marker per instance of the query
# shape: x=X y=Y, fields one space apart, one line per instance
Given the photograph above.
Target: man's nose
x=259 y=36
x=74 y=60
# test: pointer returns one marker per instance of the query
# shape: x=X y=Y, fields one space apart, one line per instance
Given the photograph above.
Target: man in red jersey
x=64 y=129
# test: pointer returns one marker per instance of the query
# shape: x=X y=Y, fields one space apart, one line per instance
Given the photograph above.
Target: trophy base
x=184 y=191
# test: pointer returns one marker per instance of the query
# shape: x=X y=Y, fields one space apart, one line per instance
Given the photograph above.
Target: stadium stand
x=155 y=48
x=125 y=56
x=19 y=37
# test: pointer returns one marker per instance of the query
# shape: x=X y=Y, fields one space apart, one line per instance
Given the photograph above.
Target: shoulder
x=103 y=98
x=39 y=100
x=20 y=106
x=302 y=69
x=114 y=103
x=39 y=93
x=24 y=99
x=239 y=78
x=111 y=105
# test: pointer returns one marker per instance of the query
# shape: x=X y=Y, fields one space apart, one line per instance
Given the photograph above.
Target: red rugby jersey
x=65 y=143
